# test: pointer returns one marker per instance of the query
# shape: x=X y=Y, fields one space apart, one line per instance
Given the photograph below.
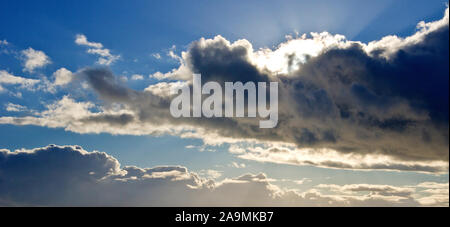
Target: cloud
x=342 y=104
x=8 y=79
x=5 y=47
x=137 y=77
x=303 y=181
x=71 y=176
x=210 y=173
x=427 y=193
x=81 y=39
x=436 y=194
x=34 y=59
x=105 y=56
x=328 y=158
x=156 y=55
x=379 y=190
x=62 y=77
x=11 y=107
x=237 y=165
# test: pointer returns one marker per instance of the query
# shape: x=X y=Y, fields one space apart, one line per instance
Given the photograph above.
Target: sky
x=363 y=105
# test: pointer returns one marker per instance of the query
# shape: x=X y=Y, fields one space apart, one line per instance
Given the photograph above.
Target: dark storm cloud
x=355 y=101
x=223 y=63
x=378 y=100
x=346 y=98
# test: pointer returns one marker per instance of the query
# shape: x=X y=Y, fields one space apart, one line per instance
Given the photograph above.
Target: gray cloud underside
x=345 y=98
x=71 y=176
x=387 y=98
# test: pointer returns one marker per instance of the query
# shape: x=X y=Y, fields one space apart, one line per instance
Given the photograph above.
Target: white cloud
x=156 y=55
x=81 y=39
x=9 y=79
x=62 y=77
x=435 y=193
x=163 y=89
x=210 y=173
x=426 y=193
x=383 y=190
x=303 y=181
x=4 y=42
x=34 y=59
x=158 y=76
x=172 y=54
x=105 y=56
x=137 y=77
x=392 y=43
x=290 y=55
x=235 y=149
x=11 y=107
x=327 y=158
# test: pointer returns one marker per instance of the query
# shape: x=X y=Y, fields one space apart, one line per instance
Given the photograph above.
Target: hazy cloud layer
x=71 y=176
x=381 y=105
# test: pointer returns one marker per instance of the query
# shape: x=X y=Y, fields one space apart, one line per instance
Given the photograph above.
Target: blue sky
x=138 y=31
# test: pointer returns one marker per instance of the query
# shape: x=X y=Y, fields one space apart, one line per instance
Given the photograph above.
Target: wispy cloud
x=156 y=55
x=11 y=107
x=237 y=165
x=105 y=56
x=137 y=77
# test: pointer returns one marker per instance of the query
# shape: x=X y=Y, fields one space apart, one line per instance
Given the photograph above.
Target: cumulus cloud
x=34 y=59
x=105 y=56
x=342 y=104
x=62 y=77
x=71 y=176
